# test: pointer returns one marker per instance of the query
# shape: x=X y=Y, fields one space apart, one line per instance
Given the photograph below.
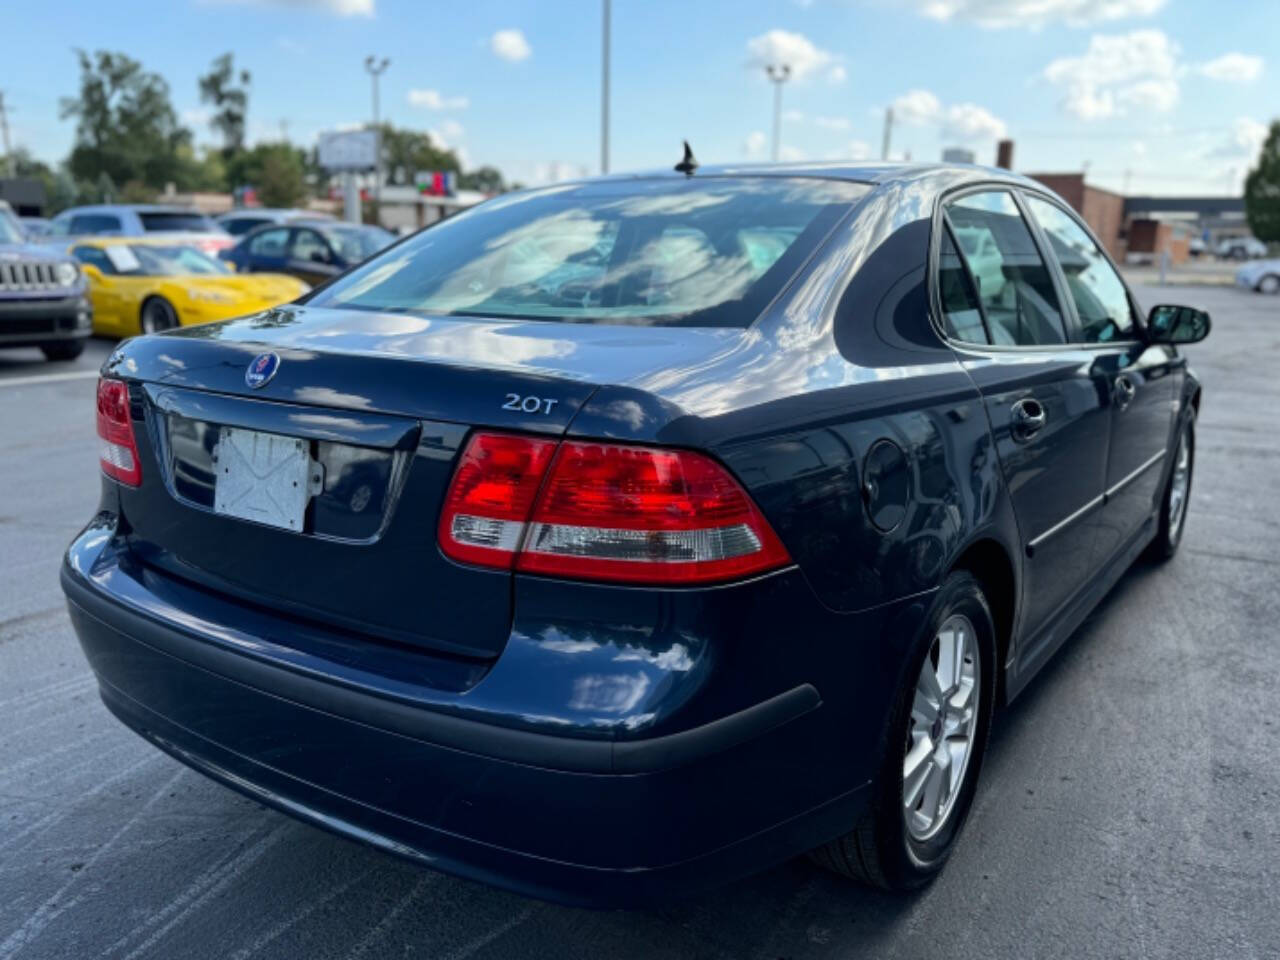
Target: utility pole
x=4 y=132
x=375 y=68
x=604 y=89
x=888 y=132
x=778 y=75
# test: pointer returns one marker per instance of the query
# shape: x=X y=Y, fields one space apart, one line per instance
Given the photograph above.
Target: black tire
x=879 y=850
x=1269 y=284
x=1169 y=535
x=62 y=349
x=157 y=315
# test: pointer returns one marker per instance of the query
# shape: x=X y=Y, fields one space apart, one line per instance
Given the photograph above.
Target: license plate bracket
x=264 y=477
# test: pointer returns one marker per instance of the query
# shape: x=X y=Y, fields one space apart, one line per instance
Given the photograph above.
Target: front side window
x=1012 y=282
x=309 y=245
x=711 y=251
x=95 y=257
x=1101 y=299
x=269 y=243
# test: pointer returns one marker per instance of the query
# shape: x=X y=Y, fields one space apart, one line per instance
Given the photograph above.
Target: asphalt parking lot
x=1130 y=805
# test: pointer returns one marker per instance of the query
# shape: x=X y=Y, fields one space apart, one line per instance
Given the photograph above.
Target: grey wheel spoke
x=915 y=772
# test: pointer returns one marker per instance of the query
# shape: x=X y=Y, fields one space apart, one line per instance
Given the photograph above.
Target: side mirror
x=1169 y=323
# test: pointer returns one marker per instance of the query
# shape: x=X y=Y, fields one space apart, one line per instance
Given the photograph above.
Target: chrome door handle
x=1029 y=418
x=1125 y=391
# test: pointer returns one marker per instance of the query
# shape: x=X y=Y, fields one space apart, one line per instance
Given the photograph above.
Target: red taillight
x=606 y=512
x=491 y=496
x=117 y=449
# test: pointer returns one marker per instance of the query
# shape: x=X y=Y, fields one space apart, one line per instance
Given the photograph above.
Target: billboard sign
x=348 y=150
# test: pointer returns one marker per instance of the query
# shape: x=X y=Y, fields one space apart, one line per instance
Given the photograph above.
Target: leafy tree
x=406 y=152
x=485 y=179
x=227 y=92
x=1262 y=190
x=126 y=128
x=276 y=170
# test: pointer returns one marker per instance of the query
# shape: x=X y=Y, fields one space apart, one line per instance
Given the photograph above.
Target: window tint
x=309 y=245
x=242 y=225
x=269 y=243
x=1099 y=294
x=86 y=224
x=176 y=220
x=96 y=257
x=1013 y=283
x=960 y=309
x=697 y=251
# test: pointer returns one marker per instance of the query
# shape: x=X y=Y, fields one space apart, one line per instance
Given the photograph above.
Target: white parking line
x=48 y=378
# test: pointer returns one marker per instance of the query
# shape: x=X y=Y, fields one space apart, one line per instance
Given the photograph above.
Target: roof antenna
x=689 y=163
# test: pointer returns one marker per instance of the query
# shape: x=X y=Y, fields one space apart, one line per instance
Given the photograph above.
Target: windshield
x=177 y=220
x=139 y=260
x=709 y=252
x=357 y=243
x=10 y=232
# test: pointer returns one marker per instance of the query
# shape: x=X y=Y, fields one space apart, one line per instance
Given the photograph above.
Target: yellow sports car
x=144 y=286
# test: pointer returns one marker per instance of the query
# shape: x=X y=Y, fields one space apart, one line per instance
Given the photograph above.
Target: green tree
x=406 y=152
x=228 y=93
x=278 y=171
x=485 y=179
x=126 y=128
x=1262 y=190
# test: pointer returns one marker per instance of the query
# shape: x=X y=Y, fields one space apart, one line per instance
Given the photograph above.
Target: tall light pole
x=375 y=68
x=604 y=91
x=778 y=75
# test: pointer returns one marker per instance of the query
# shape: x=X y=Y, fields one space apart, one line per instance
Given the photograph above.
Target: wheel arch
x=158 y=293
x=991 y=562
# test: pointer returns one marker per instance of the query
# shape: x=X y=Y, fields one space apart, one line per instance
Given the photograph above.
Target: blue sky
x=1166 y=95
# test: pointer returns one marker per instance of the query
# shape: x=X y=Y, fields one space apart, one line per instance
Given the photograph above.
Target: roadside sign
x=348 y=150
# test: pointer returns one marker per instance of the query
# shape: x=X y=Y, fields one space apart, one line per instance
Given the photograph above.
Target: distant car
x=183 y=225
x=314 y=252
x=1261 y=275
x=42 y=295
x=34 y=226
x=239 y=222
x=146 y=285
x=1241 y=248
x=1197 y=247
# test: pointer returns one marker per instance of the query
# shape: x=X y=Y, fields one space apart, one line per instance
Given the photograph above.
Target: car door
x=311 y=258
x=1140 y=380
x=1048 y=420
x=266 y=251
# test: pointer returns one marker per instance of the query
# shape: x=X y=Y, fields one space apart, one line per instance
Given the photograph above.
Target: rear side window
x=1013 y=285
x=696 y=252
x=1101 y=300
x=960 y=309
x=186 y=222
x=87 y=224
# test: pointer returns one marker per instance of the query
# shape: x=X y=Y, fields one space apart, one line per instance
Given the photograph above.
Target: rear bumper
x=595 y=822
x=25 y=322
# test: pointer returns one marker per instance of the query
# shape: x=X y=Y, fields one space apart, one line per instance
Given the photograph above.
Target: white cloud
x=433 y=100
x=997 y=14
x=778 y=47
x=452 y=129
x=837 y=75
x=510 y=45
x=1244 y=142
x=1233 y=68
x=756 y=144
x=832 y=123
x=959 y=121
x=1138 y=69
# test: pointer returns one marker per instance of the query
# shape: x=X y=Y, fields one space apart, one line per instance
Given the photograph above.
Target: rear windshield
x=694 y=252
x=196 y=222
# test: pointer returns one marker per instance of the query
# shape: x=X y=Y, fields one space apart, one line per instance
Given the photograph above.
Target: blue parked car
x=313 y=251
x=612 y=540
x=43 y=295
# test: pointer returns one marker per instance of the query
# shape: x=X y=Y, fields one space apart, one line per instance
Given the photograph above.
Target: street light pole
x=778 y=75
x=375 y=68
x=604 y=91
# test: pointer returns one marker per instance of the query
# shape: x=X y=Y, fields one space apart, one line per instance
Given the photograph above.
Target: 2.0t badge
x=262 y=368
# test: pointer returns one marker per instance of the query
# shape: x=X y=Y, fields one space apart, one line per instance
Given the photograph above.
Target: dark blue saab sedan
x=615 y=539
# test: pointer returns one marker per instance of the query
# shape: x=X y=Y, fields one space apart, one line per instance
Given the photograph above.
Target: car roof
x=873 y=172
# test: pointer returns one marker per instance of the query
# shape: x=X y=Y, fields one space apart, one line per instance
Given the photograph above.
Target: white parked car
x=1241 y=248
x=1261 y=275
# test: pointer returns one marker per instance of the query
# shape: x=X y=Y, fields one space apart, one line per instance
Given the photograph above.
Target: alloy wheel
x=1179 y=485
x=156 y=316
x=944 y=715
